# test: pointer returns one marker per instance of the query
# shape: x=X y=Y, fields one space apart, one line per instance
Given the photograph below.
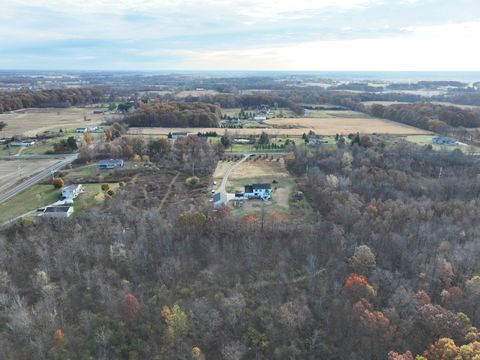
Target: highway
x=37 y=177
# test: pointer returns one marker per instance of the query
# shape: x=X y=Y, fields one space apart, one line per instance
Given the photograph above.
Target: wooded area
x=49 y=98
x=175 y=114
x=386 y=266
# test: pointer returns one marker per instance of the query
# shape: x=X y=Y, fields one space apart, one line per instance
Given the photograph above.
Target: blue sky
x=240 y=34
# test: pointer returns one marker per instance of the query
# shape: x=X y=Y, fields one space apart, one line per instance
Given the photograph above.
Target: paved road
x=254 y=153
x=222 y=189
x=37 y=177
x=34 y=157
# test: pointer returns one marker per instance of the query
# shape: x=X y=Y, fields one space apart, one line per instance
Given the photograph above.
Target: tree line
x=16 y=100
x=175 y=114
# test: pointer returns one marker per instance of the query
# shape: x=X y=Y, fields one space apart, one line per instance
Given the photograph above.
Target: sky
x=276 y=35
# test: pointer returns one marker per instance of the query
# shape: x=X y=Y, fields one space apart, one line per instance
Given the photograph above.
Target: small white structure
x=72 y=191
x=22 y=143
x=92 y=128
x=260 y=118
x=58 y=211
x=81 y=130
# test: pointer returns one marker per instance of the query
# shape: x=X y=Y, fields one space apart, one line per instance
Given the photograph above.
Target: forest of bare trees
x=385 y=266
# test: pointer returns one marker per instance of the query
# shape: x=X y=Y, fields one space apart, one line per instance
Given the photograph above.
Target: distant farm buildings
x=177 y=134
x=442 y=140
x=110 y=164
x=22 y=143
x=86 y=129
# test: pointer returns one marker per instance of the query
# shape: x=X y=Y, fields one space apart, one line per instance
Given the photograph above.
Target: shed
x=219 y=199
x=58 y=211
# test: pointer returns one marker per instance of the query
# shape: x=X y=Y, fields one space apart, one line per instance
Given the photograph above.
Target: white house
x=258 y=191
x=72 y=191
x=260 y=118
x=58 y=211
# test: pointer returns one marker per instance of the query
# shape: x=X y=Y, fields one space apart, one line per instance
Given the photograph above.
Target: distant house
x=442 y=140
x=81 y=130
x=219 y=199
x=72 y=191
x=176 y=135
x=110 y=164
x=258 y=191
x=260 y=118
x=22 y=143
x=58 y=211
x=92 y=128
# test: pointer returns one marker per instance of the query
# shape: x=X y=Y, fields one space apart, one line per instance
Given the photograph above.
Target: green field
x=39 y=196
x=28 y=200
x=93 y=195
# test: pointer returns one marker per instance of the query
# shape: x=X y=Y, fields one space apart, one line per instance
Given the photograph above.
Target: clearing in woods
x=30 y=122
x=256 y=170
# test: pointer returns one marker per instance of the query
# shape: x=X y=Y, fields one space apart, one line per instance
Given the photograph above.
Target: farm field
x=11 y=171
x=29 y=122
x=344 y=125
x=186 y=93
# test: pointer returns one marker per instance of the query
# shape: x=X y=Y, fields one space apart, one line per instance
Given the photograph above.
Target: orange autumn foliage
x=59 y=337
x=357 y=287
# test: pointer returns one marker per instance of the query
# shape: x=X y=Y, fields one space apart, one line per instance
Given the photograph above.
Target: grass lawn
x=28 y=200
x=93 y=195
x=427 y=140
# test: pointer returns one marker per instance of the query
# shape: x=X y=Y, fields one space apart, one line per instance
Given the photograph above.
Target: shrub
x=58 y=182
x=105 y=187
x=191 y=181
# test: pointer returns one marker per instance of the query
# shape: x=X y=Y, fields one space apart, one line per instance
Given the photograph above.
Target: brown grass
x=298 y=126
x=11 y=171
x=29 y=122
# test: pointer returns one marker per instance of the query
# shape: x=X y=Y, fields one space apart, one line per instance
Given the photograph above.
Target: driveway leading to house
x=223 y=185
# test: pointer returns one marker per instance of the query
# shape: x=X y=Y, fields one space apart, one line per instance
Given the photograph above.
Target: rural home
x=110 y=164
x=219 y=199
x=260 y=118
x=176 y=135
x=81 y=130
x=441 y=140
x=58 y=211
x=258 y=191
x=72 y=191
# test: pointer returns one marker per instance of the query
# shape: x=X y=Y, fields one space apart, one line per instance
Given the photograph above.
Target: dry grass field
x=11 y=171
x=344 y=125
x=29 y=122
x=186 y=93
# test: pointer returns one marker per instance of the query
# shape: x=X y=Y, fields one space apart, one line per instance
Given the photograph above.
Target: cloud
x=229 y=34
